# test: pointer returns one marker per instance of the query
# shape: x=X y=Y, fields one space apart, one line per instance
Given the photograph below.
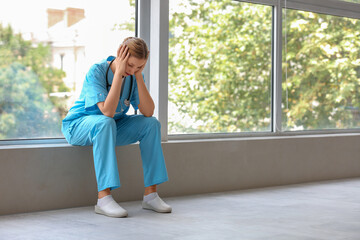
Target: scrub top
x=94 y=91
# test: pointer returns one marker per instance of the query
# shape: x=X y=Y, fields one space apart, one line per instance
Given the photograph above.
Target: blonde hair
x=137 y=47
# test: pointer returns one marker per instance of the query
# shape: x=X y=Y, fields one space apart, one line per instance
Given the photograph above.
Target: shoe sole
x=148 y=207
x=99 y=211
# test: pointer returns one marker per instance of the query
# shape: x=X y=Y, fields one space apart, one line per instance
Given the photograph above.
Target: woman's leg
x=99 y=131
x=146 y=130
x=150 y=189
x=131 y=129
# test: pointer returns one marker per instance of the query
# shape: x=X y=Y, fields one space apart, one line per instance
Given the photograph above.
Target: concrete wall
x=41 y=177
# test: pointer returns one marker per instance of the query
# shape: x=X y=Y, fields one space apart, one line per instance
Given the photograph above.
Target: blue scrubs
x=85 y=125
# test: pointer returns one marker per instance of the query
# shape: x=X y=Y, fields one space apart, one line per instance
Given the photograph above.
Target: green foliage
x=26 y=80
x=25 y=111
x=128 y=24
x=220 y=66
x=321 y=71
x=220 y=69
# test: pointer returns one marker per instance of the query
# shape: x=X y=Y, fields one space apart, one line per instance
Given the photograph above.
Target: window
x=46 y=48
x=321 y=71
x=222 y=57
x=354 y=1
x=219 y=67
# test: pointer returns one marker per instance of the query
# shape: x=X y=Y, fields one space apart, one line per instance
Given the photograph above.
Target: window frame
x=331 y=7
x=152 y=24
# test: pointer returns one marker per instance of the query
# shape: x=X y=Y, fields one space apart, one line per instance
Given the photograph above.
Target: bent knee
x=152 y=122
x=105 y=122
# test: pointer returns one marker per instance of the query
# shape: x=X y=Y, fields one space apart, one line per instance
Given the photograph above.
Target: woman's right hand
x=121 y=60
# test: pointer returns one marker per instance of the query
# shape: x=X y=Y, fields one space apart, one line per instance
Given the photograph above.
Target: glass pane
x=219 y=67
x=46 y=48
x=321 y=71
x=353 y=1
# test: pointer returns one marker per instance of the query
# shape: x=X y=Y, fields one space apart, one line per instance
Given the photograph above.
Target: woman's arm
x=146 y=105
x=108 y=107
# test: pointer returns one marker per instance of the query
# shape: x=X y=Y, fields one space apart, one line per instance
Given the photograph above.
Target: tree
x=129 y=24
x=25 y=110
x=26 y=80
x=220 y=68
x=321 y=71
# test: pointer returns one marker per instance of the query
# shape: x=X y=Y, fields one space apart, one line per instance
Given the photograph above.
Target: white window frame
x=154 y=28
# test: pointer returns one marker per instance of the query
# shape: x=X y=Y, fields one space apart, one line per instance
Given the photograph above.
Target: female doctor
x=99 y=118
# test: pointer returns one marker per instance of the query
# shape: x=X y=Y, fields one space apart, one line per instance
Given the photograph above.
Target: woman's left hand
x=142 y=68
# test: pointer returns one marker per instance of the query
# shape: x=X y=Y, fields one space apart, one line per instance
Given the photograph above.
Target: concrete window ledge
x=36 y=177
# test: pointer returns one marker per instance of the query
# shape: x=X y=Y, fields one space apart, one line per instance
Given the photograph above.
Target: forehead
x=136 y=61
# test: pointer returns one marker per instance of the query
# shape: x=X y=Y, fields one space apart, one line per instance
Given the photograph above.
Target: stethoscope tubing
x=122 y=85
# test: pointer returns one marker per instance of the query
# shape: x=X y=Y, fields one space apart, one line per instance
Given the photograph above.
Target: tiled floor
x=324 y=210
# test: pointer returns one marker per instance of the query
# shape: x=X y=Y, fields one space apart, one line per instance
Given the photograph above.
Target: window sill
x=187 y=138
x=259 y=136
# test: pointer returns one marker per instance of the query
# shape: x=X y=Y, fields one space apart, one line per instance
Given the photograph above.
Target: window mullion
x=159 y=41
x=143 y=31
x=331 y=7
x=277 y=68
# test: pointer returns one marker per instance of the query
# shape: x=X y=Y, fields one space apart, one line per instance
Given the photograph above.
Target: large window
x=321 y=71
x=228 y=63
x=221 y=55
x=46 y=48
x=219 y=67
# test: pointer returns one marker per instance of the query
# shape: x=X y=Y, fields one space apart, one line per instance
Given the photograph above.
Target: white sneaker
x=157 y=205
x=111 y=209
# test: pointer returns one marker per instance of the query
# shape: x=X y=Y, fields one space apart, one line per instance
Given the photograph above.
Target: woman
x=99 y=118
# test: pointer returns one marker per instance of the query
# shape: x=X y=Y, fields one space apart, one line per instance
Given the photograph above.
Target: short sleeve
x=135 y=101
x=95 y=84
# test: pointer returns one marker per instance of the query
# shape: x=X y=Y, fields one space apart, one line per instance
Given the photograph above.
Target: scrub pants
x=104 y=133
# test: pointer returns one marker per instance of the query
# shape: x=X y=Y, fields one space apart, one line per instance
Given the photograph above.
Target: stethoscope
x=126 y=101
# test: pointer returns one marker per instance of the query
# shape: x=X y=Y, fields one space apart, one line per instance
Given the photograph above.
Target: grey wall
x=34 y=178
